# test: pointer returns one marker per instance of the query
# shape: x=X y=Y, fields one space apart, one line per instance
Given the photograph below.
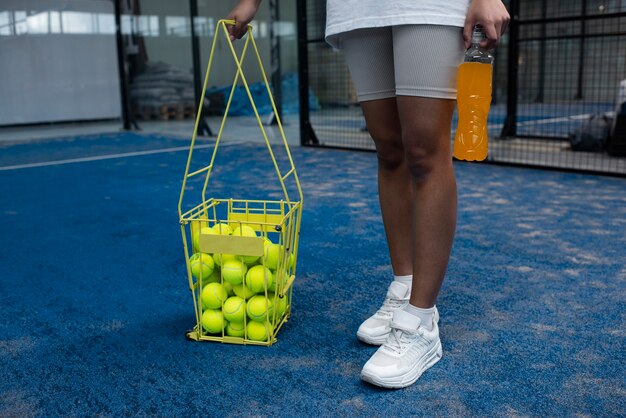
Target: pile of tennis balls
x=234 y=298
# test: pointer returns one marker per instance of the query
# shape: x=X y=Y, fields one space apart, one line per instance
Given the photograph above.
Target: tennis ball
x=234 y=271
x=278 y=279
x=219 y=259
x=213 y=295
x=195 y=237
x=246 y=231
x=229 y=288
x=234 y=309
x=242 y=291
x=257 y=331
x=202 y=265
x=273 y=255
x=256 y=278
x=236 y=329
x=292 y=260
x=259 y=308
x=213 y=321
x=215 y=277
x=222 y=229
x=280 y=305
x=195 y=231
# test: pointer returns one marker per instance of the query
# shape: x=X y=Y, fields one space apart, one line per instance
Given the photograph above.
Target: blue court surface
x=94 y=298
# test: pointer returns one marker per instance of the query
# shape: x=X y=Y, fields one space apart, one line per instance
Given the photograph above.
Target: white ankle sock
x=426 y=316
x=407 y=280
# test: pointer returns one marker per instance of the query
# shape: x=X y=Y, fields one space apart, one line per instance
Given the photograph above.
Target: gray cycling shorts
x=404 y=60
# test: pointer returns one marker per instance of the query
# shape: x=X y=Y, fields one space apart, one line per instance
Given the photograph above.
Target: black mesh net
x=570 y=58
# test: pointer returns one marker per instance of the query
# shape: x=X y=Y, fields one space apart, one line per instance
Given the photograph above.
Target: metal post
x=307 y=135
x=121 y=66
x=581 y=54
x=510 y=123
x=275 y=62
x=542 y=53
x=203 y=126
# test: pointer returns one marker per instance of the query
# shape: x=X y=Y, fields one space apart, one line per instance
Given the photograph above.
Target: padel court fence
x=559 y=65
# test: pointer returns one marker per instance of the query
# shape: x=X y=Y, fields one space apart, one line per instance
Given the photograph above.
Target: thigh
x=426 y=60
x=369 y=55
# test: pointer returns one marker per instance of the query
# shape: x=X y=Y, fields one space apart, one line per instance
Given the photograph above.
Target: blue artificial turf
x=94 y=299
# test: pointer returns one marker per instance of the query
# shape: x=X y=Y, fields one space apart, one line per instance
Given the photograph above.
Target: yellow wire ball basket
x=241 y=254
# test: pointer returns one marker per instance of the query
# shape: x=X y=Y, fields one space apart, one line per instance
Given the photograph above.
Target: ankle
x=406 y=280
x=426 y=315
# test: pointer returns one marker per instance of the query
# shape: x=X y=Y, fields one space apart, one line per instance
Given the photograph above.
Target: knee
x=389 y=149
x=424 y=151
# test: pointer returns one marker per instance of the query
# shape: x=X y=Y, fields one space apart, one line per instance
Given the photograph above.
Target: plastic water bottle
x=473 y=101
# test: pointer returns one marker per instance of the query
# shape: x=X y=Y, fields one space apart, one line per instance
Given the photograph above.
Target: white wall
x=49 y=75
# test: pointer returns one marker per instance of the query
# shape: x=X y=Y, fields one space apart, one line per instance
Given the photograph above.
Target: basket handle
x=221 y=27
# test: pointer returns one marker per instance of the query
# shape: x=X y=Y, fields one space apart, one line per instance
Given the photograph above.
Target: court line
x=101 y=157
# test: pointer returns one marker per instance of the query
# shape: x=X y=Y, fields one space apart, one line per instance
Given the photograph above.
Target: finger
x=505 y=25
x=492 y=36
x=498 y=28
x=467 y=33
x=230 y=28
x=240 y=29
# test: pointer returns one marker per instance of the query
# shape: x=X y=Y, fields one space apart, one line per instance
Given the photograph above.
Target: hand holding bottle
x=492 y=16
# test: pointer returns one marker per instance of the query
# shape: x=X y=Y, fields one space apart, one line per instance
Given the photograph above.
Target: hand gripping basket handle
x=221 y=28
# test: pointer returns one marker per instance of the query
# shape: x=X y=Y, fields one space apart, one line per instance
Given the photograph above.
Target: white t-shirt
x=346 y=15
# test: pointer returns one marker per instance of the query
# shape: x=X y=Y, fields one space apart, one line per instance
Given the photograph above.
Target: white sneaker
x=375 y=329
x=409 y=351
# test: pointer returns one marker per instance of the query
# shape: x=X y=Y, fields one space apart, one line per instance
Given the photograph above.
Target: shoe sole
x=431 y=358
x=372 y=340
x=380 y=340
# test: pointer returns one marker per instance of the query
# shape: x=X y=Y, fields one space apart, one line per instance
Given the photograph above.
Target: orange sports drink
x=473 y=102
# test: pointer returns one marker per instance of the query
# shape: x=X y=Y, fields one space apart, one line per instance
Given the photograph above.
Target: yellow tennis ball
x=222 y=229
x=215 y=277
x=244 y=231
x=280 y=280
x=234 y=271
x=229 y=288
x=202 y=265
x=242 y=291
x=259 y=308
x=257 y=277
x=204 y=231
x=257 y=331
x=273 y=255
x=292 y=260
x=280 y=304
x=236 y=329
x=195 y=231
x=234 y=309
x=213 y=295
x=220 y=259
x=213 y=321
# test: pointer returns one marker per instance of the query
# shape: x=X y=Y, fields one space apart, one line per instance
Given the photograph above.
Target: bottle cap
x=477 y=34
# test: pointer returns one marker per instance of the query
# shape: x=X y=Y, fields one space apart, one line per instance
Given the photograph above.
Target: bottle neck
x=478 y=35
x=476 y=53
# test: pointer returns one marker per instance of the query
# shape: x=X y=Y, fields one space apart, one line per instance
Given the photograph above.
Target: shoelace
x=399 y=338
x=390 y=305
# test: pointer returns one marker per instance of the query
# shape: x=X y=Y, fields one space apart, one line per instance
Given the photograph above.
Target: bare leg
x=426 y=138
x=395 y=188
